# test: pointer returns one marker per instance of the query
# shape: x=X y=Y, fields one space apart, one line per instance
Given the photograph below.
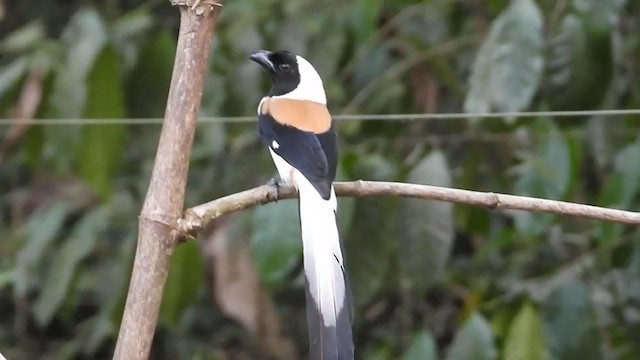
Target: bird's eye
x=284 y=67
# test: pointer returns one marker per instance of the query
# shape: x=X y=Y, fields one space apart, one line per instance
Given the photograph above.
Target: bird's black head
x=292 y=76
x=283 y=67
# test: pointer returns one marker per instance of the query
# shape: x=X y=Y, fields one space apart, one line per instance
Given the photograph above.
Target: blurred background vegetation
x=431 y=280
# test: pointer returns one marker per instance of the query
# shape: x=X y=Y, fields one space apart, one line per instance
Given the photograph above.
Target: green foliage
x=509 y=63
x=24 y=38
x=101 y=147
x=624 y=181
x=580 y=62
x=569 y=323
x=526 y=337
x=368 y=270
x=277 y=246
x=183 y=283
x=600 y=15
x=473 y=341
x=527 y=285
x=11 y=74
x=422 y=348
x=545 y=173
x=84 y=37
x=427 y=231
x=620 y=187
x=80 y=244
x=41 y=229
x=150 y=86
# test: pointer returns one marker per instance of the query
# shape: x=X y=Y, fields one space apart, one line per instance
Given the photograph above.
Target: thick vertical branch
x=165 y=197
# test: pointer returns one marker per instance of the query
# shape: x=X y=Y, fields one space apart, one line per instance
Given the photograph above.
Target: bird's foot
x=277 y=184
x=206 y=2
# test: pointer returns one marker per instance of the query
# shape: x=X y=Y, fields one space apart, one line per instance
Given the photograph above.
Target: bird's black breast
x=303 y=150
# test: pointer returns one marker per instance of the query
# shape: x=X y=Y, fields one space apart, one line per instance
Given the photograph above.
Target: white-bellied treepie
x=294 y=123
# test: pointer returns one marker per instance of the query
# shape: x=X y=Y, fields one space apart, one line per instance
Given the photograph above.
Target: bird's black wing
x=301 y=149
x=329 y=142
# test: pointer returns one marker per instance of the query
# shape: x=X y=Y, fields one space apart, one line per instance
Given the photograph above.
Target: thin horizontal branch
x=197 y=217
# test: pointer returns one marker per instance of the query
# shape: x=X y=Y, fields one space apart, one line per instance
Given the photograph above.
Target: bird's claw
x=275 y=183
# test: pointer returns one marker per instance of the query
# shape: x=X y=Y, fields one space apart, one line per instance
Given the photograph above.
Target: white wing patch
x=274 y=144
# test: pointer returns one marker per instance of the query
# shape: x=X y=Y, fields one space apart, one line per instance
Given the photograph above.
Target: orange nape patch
x=301 y=114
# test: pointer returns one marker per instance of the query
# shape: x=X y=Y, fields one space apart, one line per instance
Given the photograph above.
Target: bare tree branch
x=165 y=197
x=197 y=217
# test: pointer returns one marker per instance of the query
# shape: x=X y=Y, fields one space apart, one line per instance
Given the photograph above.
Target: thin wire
x=355 y=117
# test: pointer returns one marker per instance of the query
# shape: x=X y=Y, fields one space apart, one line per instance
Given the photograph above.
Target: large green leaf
x=602 y=16
x=83 y=40
x=423 y=347
x=115 y=281
x=65 y=264
x=623 y=184
x=579 y=66
x=474 y=341
x=149 y=81
x=569 y=322
x=41 y=229
x=547 y=171
x=11 y=76
x=127 y=33
x=107 y=278
x=526 y=340
x=620 y=188
x=85 y=35
x=508 y=65
x=100 y=152
x=426 y=228
x=185 y=279
x=11 y=73
x=23 y=38
x=276 y=240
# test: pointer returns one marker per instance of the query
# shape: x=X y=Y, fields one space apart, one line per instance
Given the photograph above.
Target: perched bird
x=296 y=126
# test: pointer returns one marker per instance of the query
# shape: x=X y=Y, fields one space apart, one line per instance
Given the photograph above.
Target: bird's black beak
x=262 y=58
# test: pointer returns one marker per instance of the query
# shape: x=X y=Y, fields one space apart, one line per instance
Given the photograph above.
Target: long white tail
x=328 y=293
